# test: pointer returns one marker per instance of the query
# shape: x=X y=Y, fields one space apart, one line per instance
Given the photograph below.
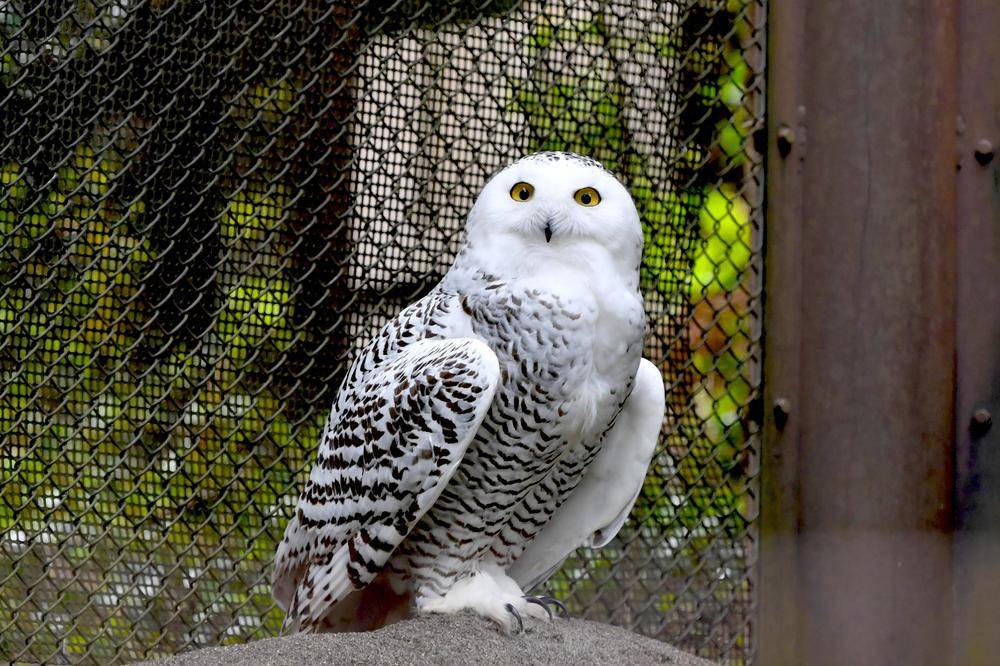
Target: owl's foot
x=491 y=594
x=517 y=616
x=545 y=602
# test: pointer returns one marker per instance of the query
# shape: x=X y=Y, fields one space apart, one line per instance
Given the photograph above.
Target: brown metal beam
x=777 y=589
x=860 y=338
x=977 y=543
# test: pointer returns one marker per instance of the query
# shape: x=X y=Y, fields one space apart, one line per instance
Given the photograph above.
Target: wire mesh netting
x=207 y=206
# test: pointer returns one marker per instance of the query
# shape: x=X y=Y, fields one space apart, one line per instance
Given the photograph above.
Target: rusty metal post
x=977 y=414
x=860 y=334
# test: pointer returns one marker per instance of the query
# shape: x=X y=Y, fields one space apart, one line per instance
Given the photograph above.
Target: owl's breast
x=567 y=353
x=606 y=359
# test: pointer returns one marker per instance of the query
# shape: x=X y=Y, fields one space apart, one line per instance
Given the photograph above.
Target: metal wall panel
x=860 y=334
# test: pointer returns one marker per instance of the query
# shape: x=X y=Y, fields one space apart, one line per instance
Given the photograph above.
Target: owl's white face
x=555 y=207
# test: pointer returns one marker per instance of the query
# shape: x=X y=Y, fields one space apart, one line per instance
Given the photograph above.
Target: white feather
x=597 y=509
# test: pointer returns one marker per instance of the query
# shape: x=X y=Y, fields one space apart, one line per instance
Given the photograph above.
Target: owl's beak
x=548 y=230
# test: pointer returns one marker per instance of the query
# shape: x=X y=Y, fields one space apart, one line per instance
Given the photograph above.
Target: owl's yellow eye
x=587 y=196
x=522 y=192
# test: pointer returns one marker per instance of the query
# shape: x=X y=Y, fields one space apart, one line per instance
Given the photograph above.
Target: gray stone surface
x=450 y=639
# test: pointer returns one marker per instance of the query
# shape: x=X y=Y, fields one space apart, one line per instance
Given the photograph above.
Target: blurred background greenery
x=172 y=311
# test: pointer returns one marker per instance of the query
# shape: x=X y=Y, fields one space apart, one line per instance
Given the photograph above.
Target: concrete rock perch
x=450 y=639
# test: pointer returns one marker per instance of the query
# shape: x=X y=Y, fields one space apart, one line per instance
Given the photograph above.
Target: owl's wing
x=390 y=447
x=600 y=504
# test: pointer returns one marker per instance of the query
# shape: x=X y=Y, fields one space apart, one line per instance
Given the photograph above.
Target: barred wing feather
x=393 y=441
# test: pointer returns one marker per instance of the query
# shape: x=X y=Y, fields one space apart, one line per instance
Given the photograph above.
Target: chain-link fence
x=207 y=206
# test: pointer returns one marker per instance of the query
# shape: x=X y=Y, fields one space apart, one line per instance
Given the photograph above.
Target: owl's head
x=555 y=207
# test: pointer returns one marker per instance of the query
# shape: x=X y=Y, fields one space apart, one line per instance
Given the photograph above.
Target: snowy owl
x=492 y=427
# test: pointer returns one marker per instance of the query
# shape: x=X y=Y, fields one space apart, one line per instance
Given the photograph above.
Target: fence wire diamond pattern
x=205 y=207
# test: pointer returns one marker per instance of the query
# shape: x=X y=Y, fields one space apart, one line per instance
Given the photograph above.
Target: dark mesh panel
x=207 y=206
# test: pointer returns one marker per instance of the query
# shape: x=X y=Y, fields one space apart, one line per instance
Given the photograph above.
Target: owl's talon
x=536 y=600
x=545 y=602
x=517 y=616
x=563 y=613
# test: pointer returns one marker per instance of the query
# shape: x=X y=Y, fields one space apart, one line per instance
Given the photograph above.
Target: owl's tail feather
x=319 y=587
x=290 y=624
x=326 y=602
